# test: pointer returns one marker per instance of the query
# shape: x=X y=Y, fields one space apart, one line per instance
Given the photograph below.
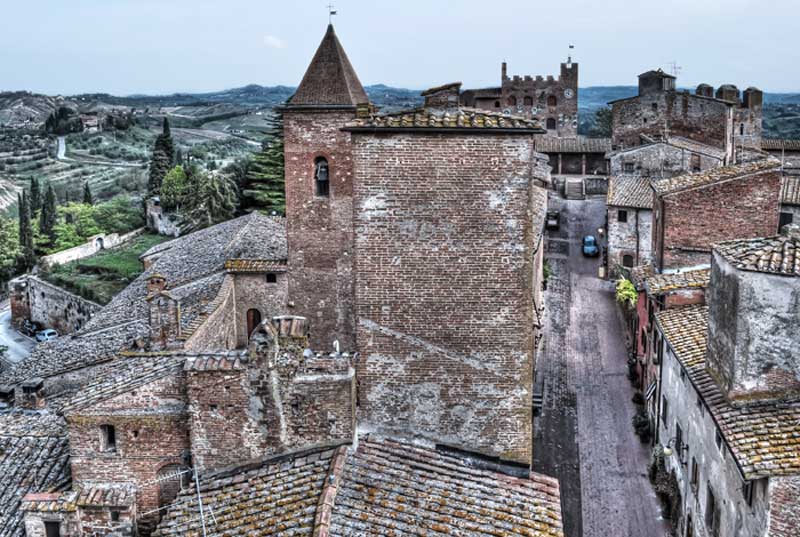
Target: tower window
x=552 y=101
x=272 y=277
x=109 y=436
x=527 y=101
x=114 y=516
x=551 y=124
x=512 y=101
x=741 y=129
x=321 y=177
x=497 y=104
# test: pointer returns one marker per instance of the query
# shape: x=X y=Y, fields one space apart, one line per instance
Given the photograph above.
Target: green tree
x=602 y=123
x=48 y=217
x=264 y=187
x=212 y=200
x=87 y=194
x=118 y=215
x=28 y=258
x=162 y=159
x=174 y=188
x=36 y=196
x=10 y=251
x=626 y=293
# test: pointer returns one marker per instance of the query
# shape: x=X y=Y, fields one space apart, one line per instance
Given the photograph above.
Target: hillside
x=21 y=108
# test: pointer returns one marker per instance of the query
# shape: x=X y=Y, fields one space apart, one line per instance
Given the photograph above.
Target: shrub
x=626 y=293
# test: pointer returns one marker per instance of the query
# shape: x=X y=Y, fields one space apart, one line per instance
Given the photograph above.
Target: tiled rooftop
x=34 y=457
x=640 y=274
x=775 y=255
x=578 y=144
x=629 y=192
x=763 y=437
x=382 y=488
x=255 y=265
x=777 y=144
x=790 y=194
x=696 y=147
x=467 y=119
x=711 y=176
x=662 y=283
x=98 y=496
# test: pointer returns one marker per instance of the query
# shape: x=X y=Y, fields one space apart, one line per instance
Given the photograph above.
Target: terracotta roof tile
x=775 y=255
x=626 y=191
x=712 y=175
x=640 y=274
x=764 y=438
x=662 y=283
x=467 y=119
x=578 y=144
x=255 y=265
x=776 y=144
x=790 y=195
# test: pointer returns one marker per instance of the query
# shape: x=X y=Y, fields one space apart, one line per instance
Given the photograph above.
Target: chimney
x=164 y=315
x=705 y=90
x=753 y=98
x=156 y=283
x=32 y=394
x=443 y=97
x=728 y=92
x=288 y=326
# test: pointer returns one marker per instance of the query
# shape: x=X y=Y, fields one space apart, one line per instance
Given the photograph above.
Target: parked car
x=590 y=248
x=46 y=335
x=553 y=218
x=30 y=328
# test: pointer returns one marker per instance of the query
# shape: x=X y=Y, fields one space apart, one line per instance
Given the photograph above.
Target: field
x=101 y=276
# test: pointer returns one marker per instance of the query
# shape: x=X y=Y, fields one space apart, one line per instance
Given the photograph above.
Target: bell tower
x=319 y=194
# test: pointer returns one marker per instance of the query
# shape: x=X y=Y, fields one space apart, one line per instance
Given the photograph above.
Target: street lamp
x=672 y=446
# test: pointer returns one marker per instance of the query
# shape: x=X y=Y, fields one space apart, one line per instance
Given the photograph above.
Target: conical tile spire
x=330 y=79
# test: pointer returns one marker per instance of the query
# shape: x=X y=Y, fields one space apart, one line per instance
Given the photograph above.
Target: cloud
x=274 y=42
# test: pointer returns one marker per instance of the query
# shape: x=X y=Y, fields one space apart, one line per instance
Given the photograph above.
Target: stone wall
x=444 y=220
x=633 y=237
x=96 y=243
x=320 y=229
x=694 y=219
x=160 y=221
x=52 y=306
x=254 y=292
x=658 y=160
x=752 y=327
x=717 y=467
x=218 y=329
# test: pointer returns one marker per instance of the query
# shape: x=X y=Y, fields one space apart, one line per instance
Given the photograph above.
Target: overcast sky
x=158 y=46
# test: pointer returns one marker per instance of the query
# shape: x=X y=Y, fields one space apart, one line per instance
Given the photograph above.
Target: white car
x=46 y=335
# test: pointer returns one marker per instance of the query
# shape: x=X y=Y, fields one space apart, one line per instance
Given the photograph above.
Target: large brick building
x=725 y=119
x=551 y=101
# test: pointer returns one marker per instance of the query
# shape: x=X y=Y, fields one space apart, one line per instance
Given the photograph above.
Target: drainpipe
x=637 y=237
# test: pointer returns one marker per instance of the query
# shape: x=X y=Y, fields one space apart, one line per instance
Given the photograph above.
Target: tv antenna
x=674 y=68
x=569 y=56
x=331 y=13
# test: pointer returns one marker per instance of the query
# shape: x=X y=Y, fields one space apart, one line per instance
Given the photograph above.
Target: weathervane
x=331 y=13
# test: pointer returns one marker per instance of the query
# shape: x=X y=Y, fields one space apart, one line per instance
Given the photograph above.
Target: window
x=512 y=101
x=741 y=129
x=664 y=409
x=272 y=278
x=552 y=101
x=629 y=167
x=497 y=104
x=695 y=162
x=700 y=405
x=679 y=441
x=321 y=177
x=527 y=101
x=52 y=529
x=785 y=219
x=109 y=438
x=551 y=124
x=694 y=479
x=622 y=216
x=114 y=516
x=654 y=106
x=683 y=375
x=718 y=439
x=747 y=493
x=712 y=514
x=627 y=261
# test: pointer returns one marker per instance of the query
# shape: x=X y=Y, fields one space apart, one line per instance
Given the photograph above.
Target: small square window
x=622 y=215
x=272 y=278
x=114 y=516
x=629 y=167
x=212 y=407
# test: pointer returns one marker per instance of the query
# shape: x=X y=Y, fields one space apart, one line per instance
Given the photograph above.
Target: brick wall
x=320 y=229
x=253 y=292
x=693 y=220
x=444 y=288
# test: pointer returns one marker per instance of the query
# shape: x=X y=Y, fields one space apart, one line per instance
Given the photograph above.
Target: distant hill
x=21 y=108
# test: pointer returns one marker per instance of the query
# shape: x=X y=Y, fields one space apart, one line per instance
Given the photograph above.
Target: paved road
x=18 y=345
x=584 y=434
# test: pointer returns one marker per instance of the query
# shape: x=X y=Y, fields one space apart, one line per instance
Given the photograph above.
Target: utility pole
x=200 y=502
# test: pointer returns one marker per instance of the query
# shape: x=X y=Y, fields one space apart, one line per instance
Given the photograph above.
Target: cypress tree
x=87 y=194
x=162 y=159
x=26 y=233
x=265 y=185
x=36 y=196
x=47 y=220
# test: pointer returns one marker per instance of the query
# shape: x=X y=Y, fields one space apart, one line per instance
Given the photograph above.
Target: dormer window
x=322 y=184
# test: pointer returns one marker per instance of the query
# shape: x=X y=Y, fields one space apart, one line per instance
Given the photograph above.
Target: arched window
x=627 y=261
x=322 y=185
x=253 y=320
x=551 y=100
x=551 y=124
x=497 y=104
x=527 y=101
x=512 y=101
x=741 y=129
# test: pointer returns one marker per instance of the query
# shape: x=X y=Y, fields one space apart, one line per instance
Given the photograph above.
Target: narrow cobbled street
x=583 y=436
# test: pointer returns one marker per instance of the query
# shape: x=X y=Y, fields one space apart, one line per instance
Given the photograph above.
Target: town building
x=691 y=212
x=553 y=102
x=727 y=119
x=729 y=407
x=790 y=200
x=630 y=222
x=664 y=157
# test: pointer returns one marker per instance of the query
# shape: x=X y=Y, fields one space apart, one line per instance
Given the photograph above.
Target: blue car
x=590 y=248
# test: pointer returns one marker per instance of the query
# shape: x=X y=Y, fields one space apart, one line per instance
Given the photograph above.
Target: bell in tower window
x=321 y=177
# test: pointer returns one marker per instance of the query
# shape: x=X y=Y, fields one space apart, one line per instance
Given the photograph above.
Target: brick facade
x=688 y=222
x=444 y=287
